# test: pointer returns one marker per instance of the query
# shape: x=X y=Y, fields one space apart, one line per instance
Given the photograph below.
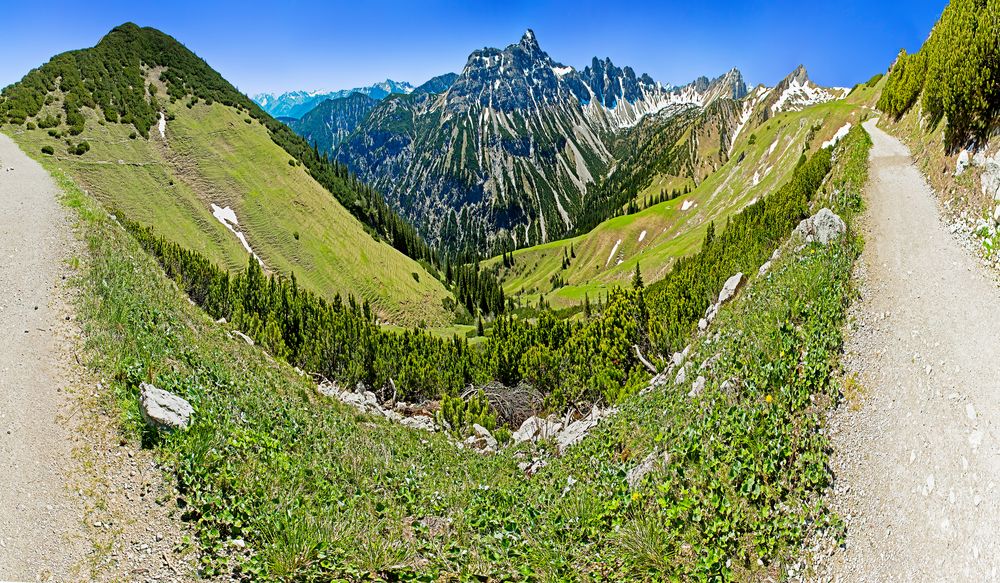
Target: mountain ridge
x=298 y=103
x=504 y=157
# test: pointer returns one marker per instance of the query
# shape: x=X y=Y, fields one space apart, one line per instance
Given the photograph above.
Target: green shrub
x=48 y=150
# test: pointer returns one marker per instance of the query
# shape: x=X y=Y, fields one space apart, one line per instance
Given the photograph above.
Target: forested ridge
x=955 y=75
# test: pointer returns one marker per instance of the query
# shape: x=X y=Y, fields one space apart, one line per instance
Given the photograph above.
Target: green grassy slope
x=670 y=230
x=216 y=154
x=320 y=492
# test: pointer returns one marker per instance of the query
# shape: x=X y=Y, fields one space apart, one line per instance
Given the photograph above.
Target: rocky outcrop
x=367 y=402
x=163 y=409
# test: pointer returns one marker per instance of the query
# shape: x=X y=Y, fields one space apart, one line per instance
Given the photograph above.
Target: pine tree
x=637 y=278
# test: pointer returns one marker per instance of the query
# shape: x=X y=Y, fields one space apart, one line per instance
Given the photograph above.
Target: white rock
x=681 y=376
x=703 y=324
x=576 y=431
x=484 y=438
x=243 y=337
x=962 y=163
x=990 y=178
x=164 y=409
x=764 y=269
x=535 y=428
x=730 y=288
x=697 y=387
x=422 y=422
x=823 y=227
x=635 y=475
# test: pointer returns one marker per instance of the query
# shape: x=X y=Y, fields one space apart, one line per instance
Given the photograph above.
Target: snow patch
x=162 y=126
x=560 y=71
x=773 y=146
x=687 y=204
x=756 y=178
x=642 y=236
x=837 y=136
x=227 y=217
x=612 y=254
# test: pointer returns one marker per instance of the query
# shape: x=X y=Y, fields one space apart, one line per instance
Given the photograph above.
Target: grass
x=670 y=231
x=320 y=492
x=213 y=156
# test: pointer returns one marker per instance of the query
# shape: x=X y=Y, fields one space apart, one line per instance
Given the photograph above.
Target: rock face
x=163 y=409
x=823 y=227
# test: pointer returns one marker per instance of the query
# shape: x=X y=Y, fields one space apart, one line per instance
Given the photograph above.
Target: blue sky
x=297 y=44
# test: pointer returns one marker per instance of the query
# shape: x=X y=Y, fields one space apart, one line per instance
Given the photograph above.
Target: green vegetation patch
x=320 y=492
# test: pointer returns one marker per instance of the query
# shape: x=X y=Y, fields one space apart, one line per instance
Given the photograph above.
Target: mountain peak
x=529 y=41
x=799 y=74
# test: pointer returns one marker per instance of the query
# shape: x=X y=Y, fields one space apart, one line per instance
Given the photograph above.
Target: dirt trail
x=918 y=455
x=41 y=529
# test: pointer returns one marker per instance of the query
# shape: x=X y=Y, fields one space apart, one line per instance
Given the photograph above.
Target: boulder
x=730 y=288
x=163 y=409
x=711 y=312
x=823 y=227
x=484 y=439
x=243 y=337
x=962 y=163
x=764 y=269
x=703 y=324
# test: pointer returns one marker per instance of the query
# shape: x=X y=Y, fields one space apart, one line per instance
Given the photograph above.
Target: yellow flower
x=768 y=398
x=635 y=496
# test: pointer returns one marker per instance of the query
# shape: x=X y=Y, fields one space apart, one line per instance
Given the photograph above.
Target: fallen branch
x=645 y=362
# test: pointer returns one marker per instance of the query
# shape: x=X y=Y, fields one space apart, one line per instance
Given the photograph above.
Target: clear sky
x=298 y=44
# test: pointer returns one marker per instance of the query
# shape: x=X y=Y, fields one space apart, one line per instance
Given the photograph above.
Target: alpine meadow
x=510 y=319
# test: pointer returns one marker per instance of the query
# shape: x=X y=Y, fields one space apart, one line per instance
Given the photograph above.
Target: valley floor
x=917 y=459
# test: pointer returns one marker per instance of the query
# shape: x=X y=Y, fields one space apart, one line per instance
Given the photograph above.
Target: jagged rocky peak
x=519 y=77
x=730 y=85
x=797 y=91
x=530 y=42
x=799 y=75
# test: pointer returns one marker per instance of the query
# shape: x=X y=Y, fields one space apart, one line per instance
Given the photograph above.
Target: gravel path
x=41 y=530
x=917 y=454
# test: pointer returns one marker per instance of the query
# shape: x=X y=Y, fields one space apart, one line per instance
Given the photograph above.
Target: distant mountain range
x=520 y=149
x=295 y=104
x=504 y=156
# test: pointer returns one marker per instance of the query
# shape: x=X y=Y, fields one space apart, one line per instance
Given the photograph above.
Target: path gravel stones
x=917 y=448
x=41 y=534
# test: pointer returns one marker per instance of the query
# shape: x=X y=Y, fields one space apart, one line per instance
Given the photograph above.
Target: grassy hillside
x=213 y=153
x=677 y=227
x=320 y=492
